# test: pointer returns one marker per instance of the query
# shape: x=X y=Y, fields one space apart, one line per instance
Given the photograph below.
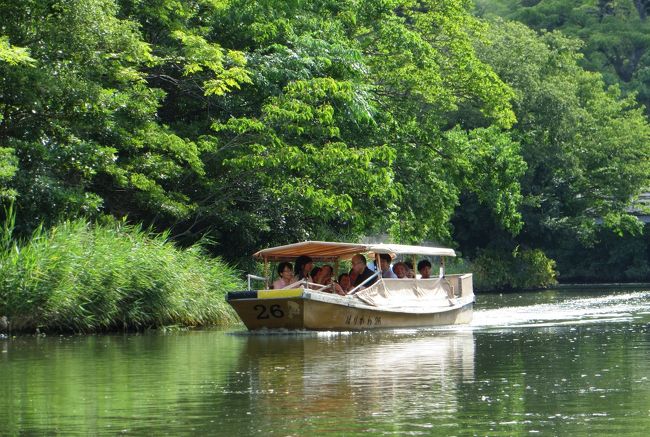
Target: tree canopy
x=616 y=34
x=265 y=122
x=252 y=121
x=586 y=148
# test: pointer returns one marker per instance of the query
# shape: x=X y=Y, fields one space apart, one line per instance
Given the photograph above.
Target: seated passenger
x=384 y=264
x=361 y=269
x=409 y=269
x=319 y=274
x=424 y=267
x=315 y=274
x=285 y=271
x=400 y=269
x=345 y=282
x=353 y=276
x=324 y=277
x=303 y=268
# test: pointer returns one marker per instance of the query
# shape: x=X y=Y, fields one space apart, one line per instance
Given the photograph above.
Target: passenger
x=285 y=271
x=303 y=267
x=315 y=274
x=353 y=276
x=361 y=269
x=409 y=269
x=345 y=282
x=384 y=263
x=325 y=278
x=319 y=274
x=424 y=267
x=400 y=269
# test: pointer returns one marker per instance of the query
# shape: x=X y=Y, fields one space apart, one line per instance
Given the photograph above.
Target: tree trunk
x=642 y=7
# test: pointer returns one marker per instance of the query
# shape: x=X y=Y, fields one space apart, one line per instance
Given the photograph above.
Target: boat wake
x=624 y=307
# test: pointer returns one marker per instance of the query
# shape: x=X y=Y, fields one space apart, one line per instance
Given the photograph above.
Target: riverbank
x=644 y=285
x=581 y=286
x=85 y=278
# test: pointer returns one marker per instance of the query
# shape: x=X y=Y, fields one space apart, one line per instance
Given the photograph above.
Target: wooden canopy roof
x=331 y=251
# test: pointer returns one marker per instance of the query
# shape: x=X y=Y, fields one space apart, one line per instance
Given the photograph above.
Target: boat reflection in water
x=348 y=376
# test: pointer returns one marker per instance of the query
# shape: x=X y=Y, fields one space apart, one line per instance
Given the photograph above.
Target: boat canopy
x=332 y=251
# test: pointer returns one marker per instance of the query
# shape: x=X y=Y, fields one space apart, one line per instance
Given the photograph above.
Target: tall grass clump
x=84 y=277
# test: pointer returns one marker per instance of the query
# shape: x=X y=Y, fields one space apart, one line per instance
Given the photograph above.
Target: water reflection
x=555 y=363
x=351 y=376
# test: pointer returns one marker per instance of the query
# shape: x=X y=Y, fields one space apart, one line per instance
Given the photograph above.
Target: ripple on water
x=613 y=308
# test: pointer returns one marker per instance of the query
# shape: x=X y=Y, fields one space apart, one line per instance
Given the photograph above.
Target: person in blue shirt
x=384 y=264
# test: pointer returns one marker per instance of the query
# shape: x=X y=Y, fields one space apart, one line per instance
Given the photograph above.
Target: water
x=550 y=363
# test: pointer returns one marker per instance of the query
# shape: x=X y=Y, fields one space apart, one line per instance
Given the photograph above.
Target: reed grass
x=82 y=277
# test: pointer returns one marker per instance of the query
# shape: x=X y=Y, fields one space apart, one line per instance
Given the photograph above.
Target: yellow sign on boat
x=279 y=294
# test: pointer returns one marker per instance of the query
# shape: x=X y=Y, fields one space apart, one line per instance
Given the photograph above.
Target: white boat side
x=389 y=303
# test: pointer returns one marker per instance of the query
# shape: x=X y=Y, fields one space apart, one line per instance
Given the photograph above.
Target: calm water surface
x=548 y=363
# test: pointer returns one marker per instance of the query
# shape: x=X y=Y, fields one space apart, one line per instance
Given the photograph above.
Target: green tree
x=258 y=122
x=586 y=147
x=82 y=117
x=398 y=71
x=12 y=56
x=616 y=34
x=343 y=128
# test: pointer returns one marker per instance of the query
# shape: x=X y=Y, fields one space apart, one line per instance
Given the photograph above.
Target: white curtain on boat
x=407 y=293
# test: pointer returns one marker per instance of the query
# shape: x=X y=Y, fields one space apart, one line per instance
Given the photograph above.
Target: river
x=553 y=363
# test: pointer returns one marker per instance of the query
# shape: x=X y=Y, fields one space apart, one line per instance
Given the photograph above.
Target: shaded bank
x=81 y=277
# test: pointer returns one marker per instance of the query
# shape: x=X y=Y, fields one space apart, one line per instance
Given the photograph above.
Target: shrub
x=82 y=277
x=527 y=268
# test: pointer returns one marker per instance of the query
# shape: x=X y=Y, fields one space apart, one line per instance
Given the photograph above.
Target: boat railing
x=358 y=287
x=250 y=277
x=315 y=286
x=466 y=285
x=461 y=284
x=306 y=284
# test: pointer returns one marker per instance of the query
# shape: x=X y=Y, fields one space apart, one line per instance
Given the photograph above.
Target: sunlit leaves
x=297 y=152
x=200 y=54
x=616 y=34
x=257 y=121
x=493 y=171
x=8 y=168
x=83 y=121
x=14 y=55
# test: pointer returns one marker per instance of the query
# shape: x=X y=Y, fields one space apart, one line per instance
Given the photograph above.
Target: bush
x=86 y=278
x=528 y=268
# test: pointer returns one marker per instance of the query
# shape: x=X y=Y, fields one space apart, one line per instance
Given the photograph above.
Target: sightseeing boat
x=386 y=303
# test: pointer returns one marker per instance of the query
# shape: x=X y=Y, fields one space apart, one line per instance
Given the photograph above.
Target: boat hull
x=302 y=309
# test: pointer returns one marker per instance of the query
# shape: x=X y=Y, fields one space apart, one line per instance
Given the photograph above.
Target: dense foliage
x=519 y=269
x=265 y=122
x=585 y=144
x=87 y=278
x=257 y=122
x=616 y=34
